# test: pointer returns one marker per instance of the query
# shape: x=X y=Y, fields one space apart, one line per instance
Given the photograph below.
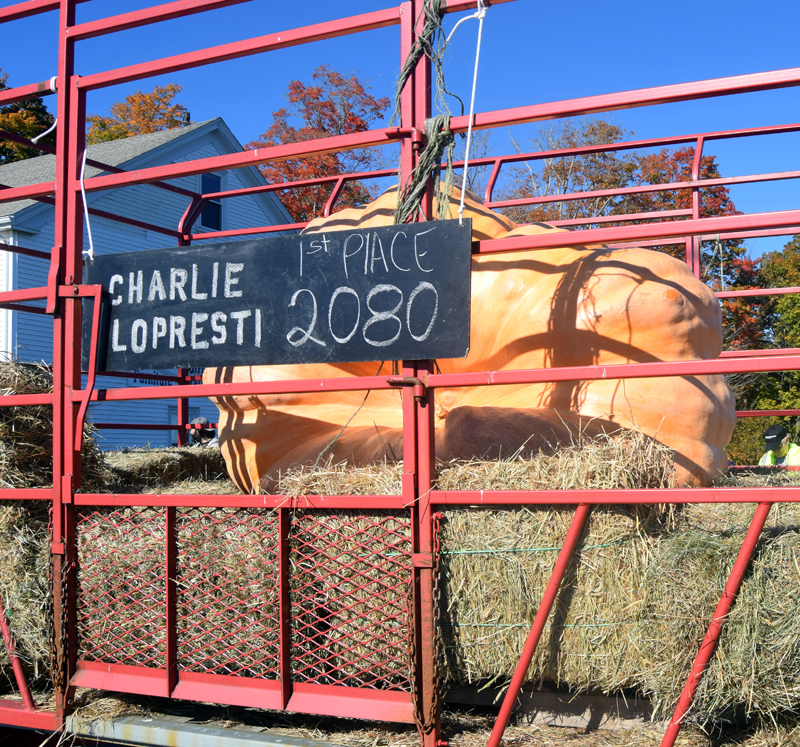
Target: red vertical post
x=428 y=681
x=171 y=597
x=183 y=410
x=284 y=606
x=548 y=598
x=715 y=628
x=62 y=271
x=417 y=416
x=407 y=158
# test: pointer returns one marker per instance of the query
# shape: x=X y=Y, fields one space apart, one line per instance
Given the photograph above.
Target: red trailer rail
x=176 y=625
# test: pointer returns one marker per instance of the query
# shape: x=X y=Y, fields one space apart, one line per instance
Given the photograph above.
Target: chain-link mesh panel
x=228 y=613
x=350 y=575
x=121 y=610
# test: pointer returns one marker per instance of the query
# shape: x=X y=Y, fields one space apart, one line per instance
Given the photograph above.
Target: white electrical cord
x=36 y=139
x=480 y=14
x=45 y=133
x=89 y=254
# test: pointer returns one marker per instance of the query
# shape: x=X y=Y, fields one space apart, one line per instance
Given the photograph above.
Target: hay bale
x=496 y=564
x=24 y=567
x=631 y=613
x=26 y=461
x=139 y=470
x=756 y=667
x=26 y=433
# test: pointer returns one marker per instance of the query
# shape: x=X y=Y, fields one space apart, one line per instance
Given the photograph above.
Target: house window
x=211 y=217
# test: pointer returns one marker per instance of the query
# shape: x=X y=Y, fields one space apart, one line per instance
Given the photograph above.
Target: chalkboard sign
x=387 y=293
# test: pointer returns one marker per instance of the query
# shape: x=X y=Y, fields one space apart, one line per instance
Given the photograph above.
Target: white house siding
x=152 y=205
x=7 y=274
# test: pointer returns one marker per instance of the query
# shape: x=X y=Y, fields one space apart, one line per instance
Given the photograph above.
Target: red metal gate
x=270 y=602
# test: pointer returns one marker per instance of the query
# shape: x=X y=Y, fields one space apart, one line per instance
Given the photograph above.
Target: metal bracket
x=96 y=292
x=420 y=388
x=52 y=280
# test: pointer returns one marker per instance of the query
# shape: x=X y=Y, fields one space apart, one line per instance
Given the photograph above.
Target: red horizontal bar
x=28 y=192
x=640 y=232
x=26 y=494
x=149 y=426
x=300 y=183
x=753 y=353
x=269 y=42
x=239 y=501
x=13 y=713
x=138 y=426
x=23 y=93
x=139 y=374
x=30 y=8
x=137 y=223
x=613 y=497
x=97 y=164
x=453 y=6
x=121 y=678
x=631 y=99
x=645 y=188
x=24 y=294
x=22 y=250
x=244 y=231
x=488 y=378
x=25 y=400
x=248 y=692
x=764 y=413
x=757 y=292
x=616 y=371
x=344 y=384
x=10 y=136
x=121 y=218
x=23 y=308
x=631 y=145
x=620 y=218
x=147 y=16
x=351 y=702
x=245 y=158
x=787 y=231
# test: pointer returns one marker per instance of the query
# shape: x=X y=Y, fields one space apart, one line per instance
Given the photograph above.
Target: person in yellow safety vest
x=779 y=450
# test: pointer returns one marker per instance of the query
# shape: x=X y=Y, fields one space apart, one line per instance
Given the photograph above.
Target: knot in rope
x=440 y=140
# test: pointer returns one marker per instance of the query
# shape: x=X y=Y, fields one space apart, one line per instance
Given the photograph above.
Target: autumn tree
x=558 y=175
x=333 y=104
x=774 y=390
x=27 y=118
x=139 y=114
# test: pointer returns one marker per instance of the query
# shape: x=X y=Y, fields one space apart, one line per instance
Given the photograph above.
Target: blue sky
x=532 y=52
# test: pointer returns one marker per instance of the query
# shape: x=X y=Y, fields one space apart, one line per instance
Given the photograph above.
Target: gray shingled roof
x=113 y=153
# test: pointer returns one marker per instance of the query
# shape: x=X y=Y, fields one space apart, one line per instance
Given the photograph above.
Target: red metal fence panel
x=320 y=604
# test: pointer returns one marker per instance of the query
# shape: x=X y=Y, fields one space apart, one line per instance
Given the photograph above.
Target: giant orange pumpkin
x=530 y=309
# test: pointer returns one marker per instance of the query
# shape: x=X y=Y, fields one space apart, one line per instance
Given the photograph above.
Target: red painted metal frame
x=16 y=664
x=542 y=613
x=714 y=629
x=70 y=400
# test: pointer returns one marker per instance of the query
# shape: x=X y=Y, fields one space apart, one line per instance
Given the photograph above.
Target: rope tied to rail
x=440 y=141
x=439 y=138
